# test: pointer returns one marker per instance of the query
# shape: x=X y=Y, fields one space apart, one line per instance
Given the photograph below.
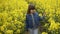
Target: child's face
x=32 y=11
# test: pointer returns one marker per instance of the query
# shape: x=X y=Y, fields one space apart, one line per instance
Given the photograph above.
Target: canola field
x=13 y=14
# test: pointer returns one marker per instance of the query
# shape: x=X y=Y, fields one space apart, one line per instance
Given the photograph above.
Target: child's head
x=31 y=8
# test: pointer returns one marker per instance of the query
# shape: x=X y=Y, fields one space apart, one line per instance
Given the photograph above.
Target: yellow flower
x=0 y=33
x=40 y=15
x=18 y=31
x=9 y=19
x=2 y=28
x=53 y=26
x=44 y=33
x=50 y=15
x=9 y=32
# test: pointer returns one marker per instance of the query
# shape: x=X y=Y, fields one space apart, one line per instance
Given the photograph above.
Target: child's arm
x=43 y=16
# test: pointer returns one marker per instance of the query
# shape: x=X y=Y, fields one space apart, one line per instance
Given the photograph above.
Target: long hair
x=30 y=7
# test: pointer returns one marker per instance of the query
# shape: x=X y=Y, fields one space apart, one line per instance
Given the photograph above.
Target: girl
x=32 y=20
